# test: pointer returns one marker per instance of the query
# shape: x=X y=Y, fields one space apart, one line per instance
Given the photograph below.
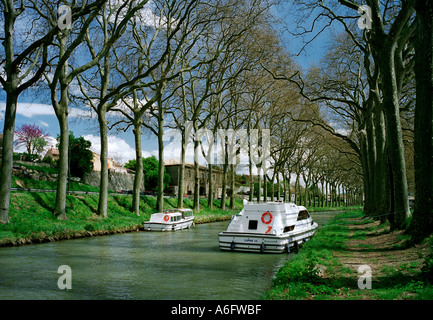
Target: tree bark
x=371 y=196
x=422 y=221
x=224 y=186
x=161 y=167
x=232 y=186
x=196 y=201
x=63 y=163
x=61 y=110
x=251 y=178
x=210 y=188
x=380 y=167
x=181 y=175
x=138 y=177
x=7 y=151
x=395 y=140
x=103 y=184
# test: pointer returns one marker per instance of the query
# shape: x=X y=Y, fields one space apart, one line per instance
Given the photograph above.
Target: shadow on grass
x=43 y=201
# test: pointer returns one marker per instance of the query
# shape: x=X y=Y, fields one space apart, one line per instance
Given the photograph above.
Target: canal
x=180 y=265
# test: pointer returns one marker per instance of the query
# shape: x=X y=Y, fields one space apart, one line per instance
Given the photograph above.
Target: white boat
x=170 y=220
x=268 y=227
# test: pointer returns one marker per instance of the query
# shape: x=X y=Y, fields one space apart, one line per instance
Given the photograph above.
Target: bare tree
x=24 y=68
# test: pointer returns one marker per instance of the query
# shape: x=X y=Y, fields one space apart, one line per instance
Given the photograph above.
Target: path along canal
x=180 y=265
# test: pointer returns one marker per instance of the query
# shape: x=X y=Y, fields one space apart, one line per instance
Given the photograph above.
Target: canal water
x=180 y=265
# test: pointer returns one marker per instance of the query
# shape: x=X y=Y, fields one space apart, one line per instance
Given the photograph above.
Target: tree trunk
x=161 y=167
x=251 y=195
x=63 y=163
x=326 y=194
x=422 y=220
x=181 y=176
x=322 y=198
x=61 y=109
x=284 y=188
x=232 y=186
x=273 y=186
x=371 y=202
x=366 y=174
x=11 y=88
x=380 y=166
x=210 y=188
x=138 y=177
x=7 y=152
x=196 y=202
x=259 y=182
x=224 y=186
x=289 y=178
x=394 y=137
x=103 y=184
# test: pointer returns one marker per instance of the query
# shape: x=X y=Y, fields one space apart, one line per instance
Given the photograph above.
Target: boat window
x=288 y=228
x=252 y=224
x=303 y=214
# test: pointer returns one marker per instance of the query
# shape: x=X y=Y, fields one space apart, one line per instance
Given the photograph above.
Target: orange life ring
x=267 y=213
x=166 y=217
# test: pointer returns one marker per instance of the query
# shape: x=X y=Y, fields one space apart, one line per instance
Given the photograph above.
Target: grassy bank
x=327 y=266
x=32 y=221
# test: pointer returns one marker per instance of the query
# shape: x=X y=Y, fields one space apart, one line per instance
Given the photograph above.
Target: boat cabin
x=269 y=218
x=165 y=217
x=186 y=212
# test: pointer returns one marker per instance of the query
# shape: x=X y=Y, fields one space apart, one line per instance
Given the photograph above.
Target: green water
x=182 y=265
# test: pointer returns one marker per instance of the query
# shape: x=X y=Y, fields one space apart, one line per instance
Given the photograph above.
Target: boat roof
x=273 y=206
x=171 y=213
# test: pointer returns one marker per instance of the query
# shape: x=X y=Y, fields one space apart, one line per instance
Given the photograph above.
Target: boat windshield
x=186 y=212
x=303 y=214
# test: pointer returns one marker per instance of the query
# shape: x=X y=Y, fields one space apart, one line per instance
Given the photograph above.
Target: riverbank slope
x=348 y=252
x=32 y=221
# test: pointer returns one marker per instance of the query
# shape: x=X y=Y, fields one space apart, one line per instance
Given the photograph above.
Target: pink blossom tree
x=32 y=137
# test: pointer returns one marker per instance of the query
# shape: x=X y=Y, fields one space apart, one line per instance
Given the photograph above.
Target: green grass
x=302 y=277
x=50 y=185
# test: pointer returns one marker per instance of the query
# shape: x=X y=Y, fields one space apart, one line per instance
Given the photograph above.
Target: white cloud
x=118 y=149
x=82 y=113
x=144 y=16
x=30 y=110
x=43 y=123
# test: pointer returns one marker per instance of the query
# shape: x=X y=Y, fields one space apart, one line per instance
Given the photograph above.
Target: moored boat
x=273 y=227
x=170 y=220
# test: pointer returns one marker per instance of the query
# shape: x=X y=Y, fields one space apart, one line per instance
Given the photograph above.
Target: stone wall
x=116 y=181
x=20 y=171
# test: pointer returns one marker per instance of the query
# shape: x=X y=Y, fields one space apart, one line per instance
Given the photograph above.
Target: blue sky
x=34 y=108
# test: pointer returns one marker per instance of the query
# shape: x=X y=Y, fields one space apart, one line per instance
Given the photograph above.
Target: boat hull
x=169 y=226
x=253 y=242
